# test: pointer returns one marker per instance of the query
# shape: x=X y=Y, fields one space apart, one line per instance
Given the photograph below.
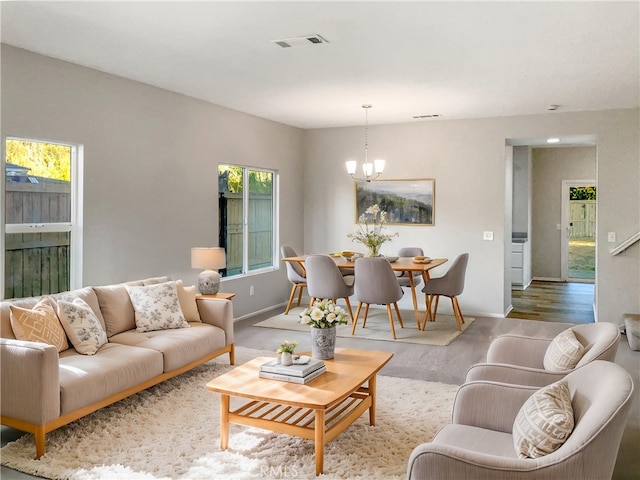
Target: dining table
x=398 y=264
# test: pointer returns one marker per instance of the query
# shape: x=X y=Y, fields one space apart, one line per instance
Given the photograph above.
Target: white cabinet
x=520 y=264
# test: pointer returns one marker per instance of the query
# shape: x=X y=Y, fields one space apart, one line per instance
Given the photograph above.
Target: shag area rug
x=172 y=431
x=439 y=333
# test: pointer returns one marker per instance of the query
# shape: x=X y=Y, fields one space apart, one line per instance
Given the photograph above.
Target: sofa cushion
x=113 y=369
x=179 y=347
x=155 y=280
x=82 y=326
x=156 y=307
x=85 y=294
x=39 y=324
x=116 y=307
x=187 y=298
x=563 y=353
x=544 y=421
x=476 y=439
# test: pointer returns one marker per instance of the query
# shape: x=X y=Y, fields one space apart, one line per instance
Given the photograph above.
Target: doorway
x=579 y=227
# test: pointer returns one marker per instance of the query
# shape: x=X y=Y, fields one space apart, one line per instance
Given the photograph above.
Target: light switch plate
x=611 y=237
x=487 y=235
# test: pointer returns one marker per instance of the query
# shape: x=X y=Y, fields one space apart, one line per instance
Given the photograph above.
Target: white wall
x=467 y=160
x=151 y=157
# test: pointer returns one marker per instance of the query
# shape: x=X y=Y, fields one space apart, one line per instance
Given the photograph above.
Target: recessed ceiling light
x=428 y=115
x=553 y=140
x=552 y=107
x=301 y=41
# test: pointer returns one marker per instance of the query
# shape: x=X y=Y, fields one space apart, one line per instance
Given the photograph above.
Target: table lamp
x=211 y=259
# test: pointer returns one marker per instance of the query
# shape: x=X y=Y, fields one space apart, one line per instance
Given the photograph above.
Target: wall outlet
x=487 y=235
x=611 y=237
x=251 y=291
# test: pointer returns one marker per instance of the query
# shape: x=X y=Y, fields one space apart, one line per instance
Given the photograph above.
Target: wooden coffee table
x=318 y=411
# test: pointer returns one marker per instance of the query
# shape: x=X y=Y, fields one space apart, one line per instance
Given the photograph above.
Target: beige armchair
x=479 y=442
x=519 y=360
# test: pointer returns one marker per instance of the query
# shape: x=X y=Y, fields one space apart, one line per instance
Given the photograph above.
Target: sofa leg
x=39 y=435
x=232 y=355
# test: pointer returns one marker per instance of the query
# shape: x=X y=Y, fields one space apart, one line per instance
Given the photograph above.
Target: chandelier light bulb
x=368 y=168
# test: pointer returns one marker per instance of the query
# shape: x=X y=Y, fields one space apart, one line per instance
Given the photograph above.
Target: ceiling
x=455 y=59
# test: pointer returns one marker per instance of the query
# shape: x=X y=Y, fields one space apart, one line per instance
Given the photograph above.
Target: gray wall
x=150 y=180
x=467 y=158
x=521 y=189
x=150 y=168
x=550 y=166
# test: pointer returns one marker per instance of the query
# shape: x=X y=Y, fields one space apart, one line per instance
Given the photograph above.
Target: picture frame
x=406 y=201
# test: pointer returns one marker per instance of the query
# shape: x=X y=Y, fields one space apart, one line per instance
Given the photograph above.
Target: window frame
x=74 y=227
x=245 y=219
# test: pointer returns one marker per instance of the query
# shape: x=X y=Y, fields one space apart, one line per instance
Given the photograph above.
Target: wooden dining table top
x=403 y=264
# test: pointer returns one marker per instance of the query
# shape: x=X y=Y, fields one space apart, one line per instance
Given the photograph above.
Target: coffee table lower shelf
x=320 y=425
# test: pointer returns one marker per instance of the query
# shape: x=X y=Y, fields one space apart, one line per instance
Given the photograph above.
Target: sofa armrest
x=513 y=374
x=518 y=350
x=490 y=405
x=218 y=312
x=29 y=381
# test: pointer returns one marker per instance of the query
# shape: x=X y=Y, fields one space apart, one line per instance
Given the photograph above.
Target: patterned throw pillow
x=544 y=422
x=563 y=353
x=39 y=324
x=157 y=307
x=187 y=299
x=82 y=326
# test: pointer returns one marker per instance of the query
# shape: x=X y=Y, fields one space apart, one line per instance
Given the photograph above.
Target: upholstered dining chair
x=403 y=277
x=479 y=443
x=376 y=284
x=295 y=274
x=520 y=360
x=451 y=284
x=325 y=281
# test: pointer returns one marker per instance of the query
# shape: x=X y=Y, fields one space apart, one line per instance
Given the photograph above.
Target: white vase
x=323 y=343
x=286 y=359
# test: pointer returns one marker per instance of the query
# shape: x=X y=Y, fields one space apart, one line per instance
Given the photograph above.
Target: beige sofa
x=42 y=390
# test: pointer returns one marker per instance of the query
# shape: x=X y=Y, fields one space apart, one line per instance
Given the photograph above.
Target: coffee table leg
x=224 y=422
x=319 y=434
x=372 y=393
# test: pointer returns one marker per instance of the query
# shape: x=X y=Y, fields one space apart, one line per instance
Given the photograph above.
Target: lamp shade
x=208 y=258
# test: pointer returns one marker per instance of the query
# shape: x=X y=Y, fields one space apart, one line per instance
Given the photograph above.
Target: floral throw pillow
x=82 y=326
x=156 y=307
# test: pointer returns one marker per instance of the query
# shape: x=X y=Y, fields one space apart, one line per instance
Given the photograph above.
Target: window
x=43 y=247
x=248 y=218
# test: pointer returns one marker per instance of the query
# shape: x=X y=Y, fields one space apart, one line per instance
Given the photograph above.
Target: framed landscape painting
x=407 y=202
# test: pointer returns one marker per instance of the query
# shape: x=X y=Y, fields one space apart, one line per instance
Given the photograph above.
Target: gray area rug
x=439 y=333
x=171 y=431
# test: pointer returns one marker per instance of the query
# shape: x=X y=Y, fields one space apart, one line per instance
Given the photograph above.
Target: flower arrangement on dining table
x=370 y=230
x=324 y=314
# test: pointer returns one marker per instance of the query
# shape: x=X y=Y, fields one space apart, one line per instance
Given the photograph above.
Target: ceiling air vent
x=429 y=115
x=300 y=41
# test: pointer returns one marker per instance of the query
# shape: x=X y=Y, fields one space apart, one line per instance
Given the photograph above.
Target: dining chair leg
x=366 y=313
x=393 y=330
x=457 y=312
x=412 y=285
x=300 y=287
x=346 y=299
x=313 y=299
x=355 y=320
x=293 y=292
x=435 y=308
x=395 y=304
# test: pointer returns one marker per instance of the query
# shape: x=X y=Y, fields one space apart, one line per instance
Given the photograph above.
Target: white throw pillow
x=544 y=422
x=187 y=298
x=156 y=307
x=39 y=324
x=82 y=326
x=563 y=353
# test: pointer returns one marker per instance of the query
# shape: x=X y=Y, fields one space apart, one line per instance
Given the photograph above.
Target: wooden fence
x=37 y=263
x=260 y=231
x=582 y=215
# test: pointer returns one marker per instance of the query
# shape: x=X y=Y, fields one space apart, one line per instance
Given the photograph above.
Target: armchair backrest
x=600 y=341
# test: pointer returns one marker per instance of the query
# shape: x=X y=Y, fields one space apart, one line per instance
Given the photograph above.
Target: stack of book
x=292 y=373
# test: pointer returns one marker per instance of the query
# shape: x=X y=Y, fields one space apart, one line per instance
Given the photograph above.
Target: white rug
x=171 y=431
x=439 y=333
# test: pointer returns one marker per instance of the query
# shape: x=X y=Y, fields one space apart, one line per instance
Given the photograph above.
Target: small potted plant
x=286 y=351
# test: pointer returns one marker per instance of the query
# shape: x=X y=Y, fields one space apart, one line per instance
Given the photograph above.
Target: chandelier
x=370 y=170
